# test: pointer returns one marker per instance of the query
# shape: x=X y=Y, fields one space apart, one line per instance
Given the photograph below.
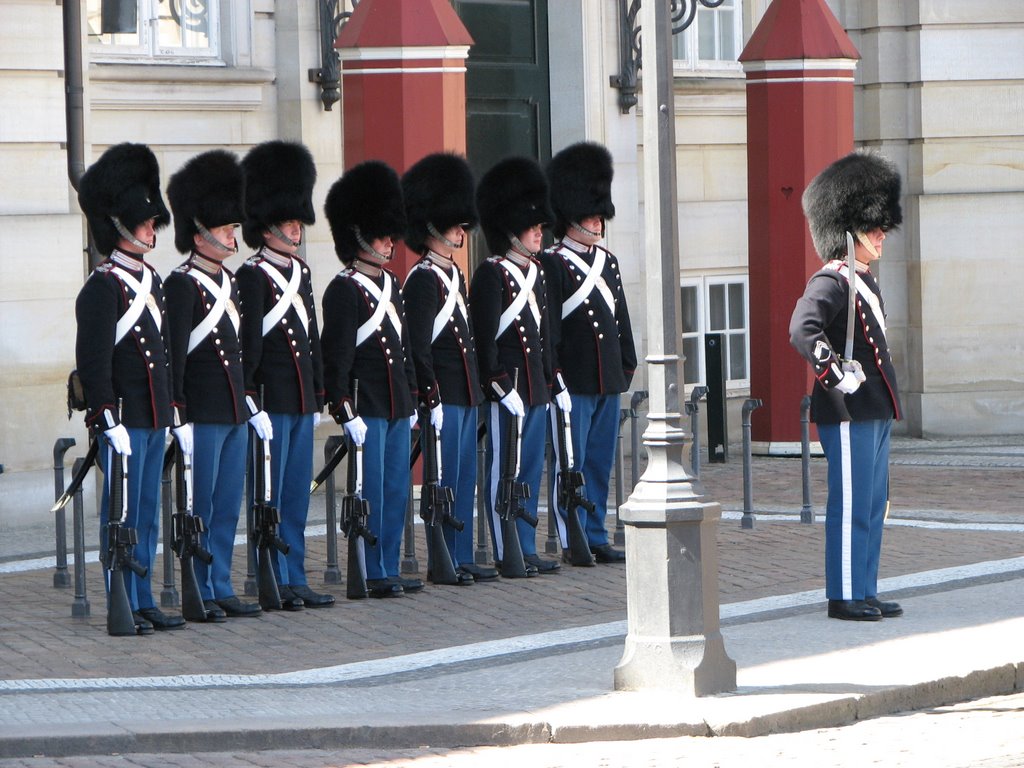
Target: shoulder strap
x=289 y=290
x=593 y=274
x=525 y=284
x=383 y=298
x=221 y=293
x=448 y=308
x=134 y=311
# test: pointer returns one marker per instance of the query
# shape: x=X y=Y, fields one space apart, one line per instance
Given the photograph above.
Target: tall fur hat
x=581 y=184
x=368 y=196
x=857 y=193
x=124 y=182
x=208 y=189
x=512 y=197
x=438 y=191
x=279 y=179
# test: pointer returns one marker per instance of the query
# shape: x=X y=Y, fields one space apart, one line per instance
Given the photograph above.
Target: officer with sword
x=850 y=206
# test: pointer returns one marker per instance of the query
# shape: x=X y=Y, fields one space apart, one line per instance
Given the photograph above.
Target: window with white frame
x=715 y=305
x=713 y=41
x=173 y=31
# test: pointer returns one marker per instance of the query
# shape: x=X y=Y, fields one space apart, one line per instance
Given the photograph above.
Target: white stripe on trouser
x=847 y=525
x=494 y=476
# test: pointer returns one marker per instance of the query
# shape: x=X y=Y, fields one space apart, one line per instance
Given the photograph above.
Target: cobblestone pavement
x=986 y=733
x=983 y=507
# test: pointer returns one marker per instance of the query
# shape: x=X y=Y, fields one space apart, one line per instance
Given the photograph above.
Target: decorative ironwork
x=682 y=14
x=328 y=76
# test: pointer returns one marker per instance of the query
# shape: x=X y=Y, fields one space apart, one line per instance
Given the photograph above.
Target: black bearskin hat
x=512 y=197
x=208 y=189
x=124 y=182
x=368 y=196
x=581 y=184
x=438 y=191
x=857 y=193
x=279 y=179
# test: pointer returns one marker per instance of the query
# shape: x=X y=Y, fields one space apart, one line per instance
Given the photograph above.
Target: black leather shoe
x=310 y=598
x=462 y=579
x=409 y=586
x=142 y=627
x=606 y=553
x=289 y=600
x=161 y=621
x=531 y=570
x=889 y=610
x=380 y=588
x=853 y=610
x=214 y=613
x=234 y=607
x=542 y=565
x=479 y=572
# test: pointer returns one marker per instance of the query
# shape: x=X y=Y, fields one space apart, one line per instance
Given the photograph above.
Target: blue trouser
x=145 y=468
x=218 y=483
x=386 y=488
x=858 y=490
x=531 y=466
x=595 y=433
x=291 y=469
x=458 y=472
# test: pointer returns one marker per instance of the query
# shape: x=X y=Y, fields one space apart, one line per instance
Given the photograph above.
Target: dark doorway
x=508 y=104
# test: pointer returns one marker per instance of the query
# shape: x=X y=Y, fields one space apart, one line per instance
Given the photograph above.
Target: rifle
x=329 y=467
x=355 y=516
x=186 y=536
x=570 y=483
x=435 y=507
x=79 y=477
x=509 y=506
x=266 y=518
x=120 y=541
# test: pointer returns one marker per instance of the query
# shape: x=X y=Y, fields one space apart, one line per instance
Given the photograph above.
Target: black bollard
x=61 y=577
x=747 y=521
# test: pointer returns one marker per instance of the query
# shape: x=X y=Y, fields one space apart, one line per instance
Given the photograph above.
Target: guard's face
x=384 y=245
x=593 y=224
x=224 y=234
x=291 y=229
x=145 y=233
x=533 y=237
x=456 y=234
x=868 y=246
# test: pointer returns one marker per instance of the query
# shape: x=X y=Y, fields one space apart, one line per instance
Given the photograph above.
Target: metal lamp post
x=673 y=638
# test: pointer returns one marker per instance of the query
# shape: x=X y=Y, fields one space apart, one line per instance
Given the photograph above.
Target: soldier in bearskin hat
x=204 y=327
x=281 y=344
x=121 y=352
x=838 y=326
x=440 y=208
x=508 y=308
x=591 y=336
x=366 y=339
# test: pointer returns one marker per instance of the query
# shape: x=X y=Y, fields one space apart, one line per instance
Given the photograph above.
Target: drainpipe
x=74 y=107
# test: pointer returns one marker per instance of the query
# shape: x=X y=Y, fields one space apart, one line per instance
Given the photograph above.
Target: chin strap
x=517 y=245
x=276 y=232
x=368 y=249
x=590 y=233
x=122 y=230
x=207 y=235
x=437 y=235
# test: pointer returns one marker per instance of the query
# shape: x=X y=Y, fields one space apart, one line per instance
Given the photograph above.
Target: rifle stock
x=187 y=542
x=355 y=515
x=435 y=507
x=570 y=483
x=120 y=541
x=266 y=518
x=510 y=503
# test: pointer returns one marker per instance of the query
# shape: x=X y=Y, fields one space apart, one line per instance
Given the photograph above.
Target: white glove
x=356 y=430
x=316 y=420
x=119 y=440
x=413 y=419
x=564 y=401
x=260 y=422
x=850 y=383
x=514 y=403
x=437 y=417
x=184 y=436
